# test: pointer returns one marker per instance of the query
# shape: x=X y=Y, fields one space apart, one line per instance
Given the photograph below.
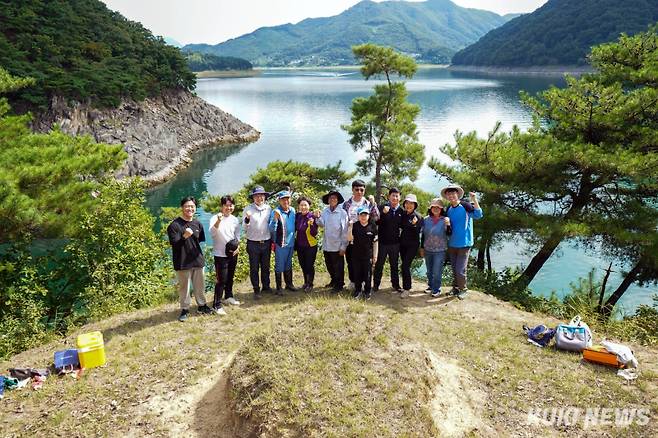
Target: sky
x=214 y=21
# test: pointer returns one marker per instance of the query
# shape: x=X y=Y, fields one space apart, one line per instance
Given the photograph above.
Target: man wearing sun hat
x=282 y=227
x=255 y=220
x=461 y=215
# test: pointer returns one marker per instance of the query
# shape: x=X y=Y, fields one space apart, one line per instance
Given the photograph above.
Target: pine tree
x=46 y=180
x=587 y=169
x=383 y=123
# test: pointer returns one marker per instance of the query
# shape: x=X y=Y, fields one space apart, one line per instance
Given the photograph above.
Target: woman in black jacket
x=411 y=226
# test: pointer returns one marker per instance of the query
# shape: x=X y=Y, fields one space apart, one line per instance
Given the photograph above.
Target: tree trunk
x=617 y=294
x=538 y=260
x=603 y=286
x=479 y=264
x=489 y=268
x=378 y=179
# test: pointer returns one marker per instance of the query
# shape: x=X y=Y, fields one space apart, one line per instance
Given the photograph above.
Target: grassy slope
x=165 y=378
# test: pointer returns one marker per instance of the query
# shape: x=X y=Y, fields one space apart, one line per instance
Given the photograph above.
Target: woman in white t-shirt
x=225 y=232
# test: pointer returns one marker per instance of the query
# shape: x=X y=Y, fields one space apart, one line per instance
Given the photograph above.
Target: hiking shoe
x=204 y=310
x=267 y=290
x=357 y=296
x=453 y=291
x=367 y=296
x=404 y=294
x=258 y=295
x=436 y=294
x=183 y=315
x=396 y=291
x=219 y=311
x=462 y=294
x=232 y=301
x=375 y=288
x=279 y=292
x=336 y=289
x=428 y=290
x=351 y=286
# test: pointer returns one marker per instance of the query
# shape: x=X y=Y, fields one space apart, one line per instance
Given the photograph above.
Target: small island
x=206 y=65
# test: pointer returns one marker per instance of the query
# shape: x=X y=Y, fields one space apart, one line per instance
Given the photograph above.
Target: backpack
x=540 y=335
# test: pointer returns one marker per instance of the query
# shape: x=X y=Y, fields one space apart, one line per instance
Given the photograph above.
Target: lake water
x=299 y=113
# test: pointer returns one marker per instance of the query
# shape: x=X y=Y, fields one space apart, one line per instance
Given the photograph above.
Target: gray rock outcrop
x=159 y=134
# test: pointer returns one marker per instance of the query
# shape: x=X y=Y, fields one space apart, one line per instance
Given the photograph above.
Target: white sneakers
x=404 y=294
x=219 y=311
x=232 y=301
x=351 y=287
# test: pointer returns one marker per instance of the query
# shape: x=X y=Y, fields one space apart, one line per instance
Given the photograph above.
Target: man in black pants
x=390 y=217
x=351 y=206
x=255 y=219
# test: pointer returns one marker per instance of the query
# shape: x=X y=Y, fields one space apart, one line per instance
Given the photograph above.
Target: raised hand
x=386 y=209
x=371 y=199
x=188 y=232
x=414 y=220
x=317 y=213
x=472 y=196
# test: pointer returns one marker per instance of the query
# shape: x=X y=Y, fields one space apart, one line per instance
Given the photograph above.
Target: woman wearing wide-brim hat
x=411 y=226
x=334 y=240
x=282 y=227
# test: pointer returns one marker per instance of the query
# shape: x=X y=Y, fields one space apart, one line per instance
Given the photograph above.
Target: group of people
x=357 y=232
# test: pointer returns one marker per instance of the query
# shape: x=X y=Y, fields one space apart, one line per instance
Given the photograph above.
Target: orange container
x=598 y=354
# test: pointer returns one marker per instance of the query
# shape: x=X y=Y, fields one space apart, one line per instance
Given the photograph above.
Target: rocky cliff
x=159 y=134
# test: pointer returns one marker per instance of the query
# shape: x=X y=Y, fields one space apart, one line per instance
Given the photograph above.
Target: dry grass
x=324 y=366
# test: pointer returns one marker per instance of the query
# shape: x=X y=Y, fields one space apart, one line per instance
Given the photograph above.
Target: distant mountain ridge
x=561 y=32
x=431 y=31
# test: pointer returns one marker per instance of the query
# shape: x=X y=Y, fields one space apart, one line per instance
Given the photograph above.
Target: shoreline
x=554 y=70
x=207 y=74
x=341 y=67
x=185 y=159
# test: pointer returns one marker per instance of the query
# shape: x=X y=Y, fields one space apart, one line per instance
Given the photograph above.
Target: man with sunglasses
x=352 y=206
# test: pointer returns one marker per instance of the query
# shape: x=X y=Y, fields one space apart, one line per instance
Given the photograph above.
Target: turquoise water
x=299 y=114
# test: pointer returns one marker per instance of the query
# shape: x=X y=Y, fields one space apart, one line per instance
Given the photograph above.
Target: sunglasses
x=359 y=189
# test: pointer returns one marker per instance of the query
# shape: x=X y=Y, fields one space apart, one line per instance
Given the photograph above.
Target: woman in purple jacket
x=306 y=242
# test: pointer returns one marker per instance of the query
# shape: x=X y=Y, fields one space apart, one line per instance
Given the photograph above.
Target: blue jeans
x=283 y=258
x=434 y=263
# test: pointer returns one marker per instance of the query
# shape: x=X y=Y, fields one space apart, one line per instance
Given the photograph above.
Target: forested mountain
x=82 y=50
x=205 y=61
x=559 y=33
x=431 y=31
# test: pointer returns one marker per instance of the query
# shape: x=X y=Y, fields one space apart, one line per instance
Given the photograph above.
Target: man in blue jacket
x=461 y=216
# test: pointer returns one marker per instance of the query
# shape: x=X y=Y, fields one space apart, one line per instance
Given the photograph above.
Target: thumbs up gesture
x=414 y=220
x=386 y=209
x=277 y=215
x=371 y=199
